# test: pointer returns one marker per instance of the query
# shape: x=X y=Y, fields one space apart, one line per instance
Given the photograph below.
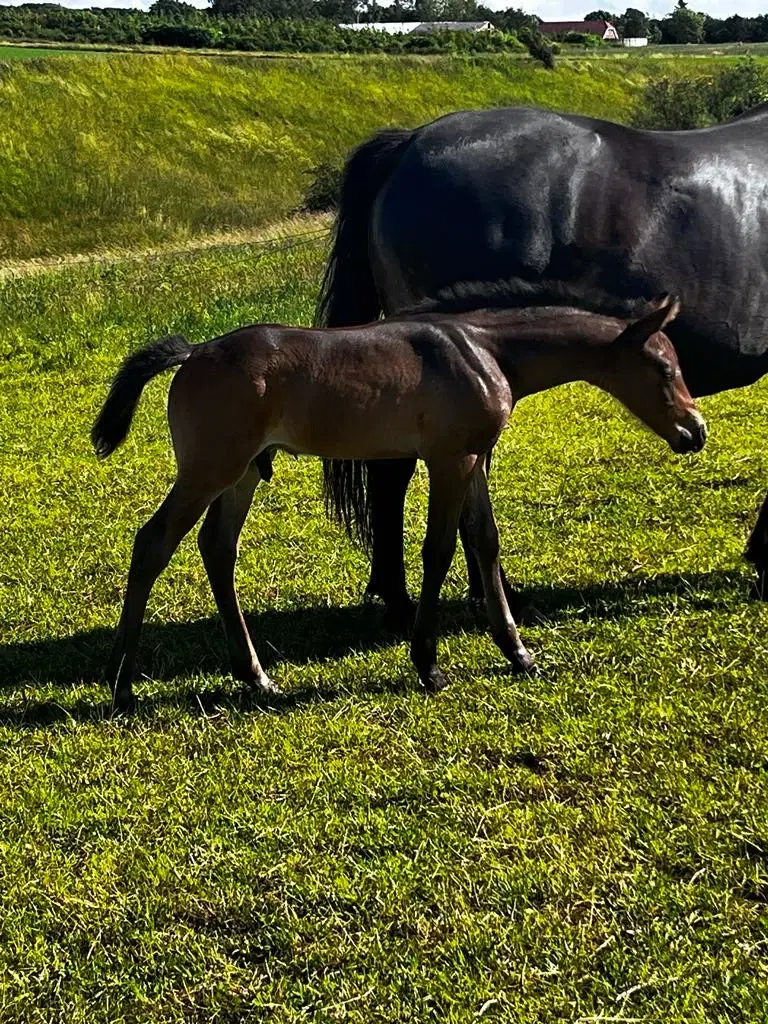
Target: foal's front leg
x=474 y=575
x=448 y=482
x=483 y=536
x=218 y=542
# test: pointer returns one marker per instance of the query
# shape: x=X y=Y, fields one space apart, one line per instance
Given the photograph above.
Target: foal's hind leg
x=218 y=541
x=483 y=537
x=153 y=548
x=448 y=482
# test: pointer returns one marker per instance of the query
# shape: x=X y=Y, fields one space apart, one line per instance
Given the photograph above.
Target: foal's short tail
x=114 y=421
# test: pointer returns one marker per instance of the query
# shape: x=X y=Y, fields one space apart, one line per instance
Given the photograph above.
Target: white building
x=409 y=28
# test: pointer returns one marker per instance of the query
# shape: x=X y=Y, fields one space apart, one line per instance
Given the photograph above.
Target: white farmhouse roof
x=406 y=28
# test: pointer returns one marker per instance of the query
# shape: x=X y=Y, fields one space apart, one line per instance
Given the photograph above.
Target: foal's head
x=644 y=374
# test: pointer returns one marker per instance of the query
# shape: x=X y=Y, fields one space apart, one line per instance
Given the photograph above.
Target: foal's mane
x=469 y=296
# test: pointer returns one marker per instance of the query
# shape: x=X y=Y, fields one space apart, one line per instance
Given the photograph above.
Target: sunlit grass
x=137 y=150
x=589 y=845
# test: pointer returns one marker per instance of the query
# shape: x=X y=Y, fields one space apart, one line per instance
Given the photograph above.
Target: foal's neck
x=536 y=360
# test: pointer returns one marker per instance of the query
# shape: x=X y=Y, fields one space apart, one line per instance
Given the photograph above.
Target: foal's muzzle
x=692 y=436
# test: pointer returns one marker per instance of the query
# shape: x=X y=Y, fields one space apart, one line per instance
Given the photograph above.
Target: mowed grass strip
x=31 y=52
x=588 y=845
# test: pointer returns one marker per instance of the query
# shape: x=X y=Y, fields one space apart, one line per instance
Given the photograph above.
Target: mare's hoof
x=523 y=662
x=435 y=681
x=123 y=703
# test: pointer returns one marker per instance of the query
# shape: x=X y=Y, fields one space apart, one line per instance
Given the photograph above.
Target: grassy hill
x=132 y=150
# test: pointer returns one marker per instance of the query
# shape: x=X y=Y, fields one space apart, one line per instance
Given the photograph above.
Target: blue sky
x=550 y=10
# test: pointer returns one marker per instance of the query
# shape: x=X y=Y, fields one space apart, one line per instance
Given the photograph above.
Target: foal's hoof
x=524 y=663
x=264 y=687
x=435 y=681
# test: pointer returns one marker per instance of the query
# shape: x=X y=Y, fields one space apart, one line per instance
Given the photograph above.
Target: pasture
x=590 y=845
x=170 y=148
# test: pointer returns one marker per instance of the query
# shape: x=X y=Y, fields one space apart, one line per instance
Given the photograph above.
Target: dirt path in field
x=297 y=228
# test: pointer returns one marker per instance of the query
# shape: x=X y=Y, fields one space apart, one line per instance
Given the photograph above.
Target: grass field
x=28 y=52
x=587 y=846
x=151 y=150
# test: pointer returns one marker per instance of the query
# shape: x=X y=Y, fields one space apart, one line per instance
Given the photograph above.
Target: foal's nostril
x=693 y=437
x=700 y=434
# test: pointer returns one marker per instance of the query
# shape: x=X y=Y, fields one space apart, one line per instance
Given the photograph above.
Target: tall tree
x=634 y=24
x=683 y=25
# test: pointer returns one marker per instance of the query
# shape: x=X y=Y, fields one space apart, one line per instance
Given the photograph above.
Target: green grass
x=130 y=151
x=28 y=52
x=590 y=845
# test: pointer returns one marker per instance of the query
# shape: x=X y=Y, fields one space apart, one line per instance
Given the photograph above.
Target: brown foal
x=437 y=386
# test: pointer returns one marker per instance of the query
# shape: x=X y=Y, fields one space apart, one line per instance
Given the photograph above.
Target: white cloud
x=565 y=10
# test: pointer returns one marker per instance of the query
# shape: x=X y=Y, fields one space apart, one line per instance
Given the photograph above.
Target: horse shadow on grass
x=314 y=634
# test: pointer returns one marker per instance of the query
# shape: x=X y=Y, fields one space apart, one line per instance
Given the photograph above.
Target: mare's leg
x=757 y=550
x=484 y=539
x=153 y=548
x=476 y=589
x=448 y=482
x=387 y=484
x=218 y=541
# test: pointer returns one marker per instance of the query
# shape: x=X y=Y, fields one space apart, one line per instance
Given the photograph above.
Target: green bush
x=324 y=189
x=694 y=102
x=538 y=47
x=583 y=39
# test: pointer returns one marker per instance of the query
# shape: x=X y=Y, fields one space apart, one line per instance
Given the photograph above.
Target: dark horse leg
x=450 y=483
x=218 y=542
x=757 y=551
x=387 y=482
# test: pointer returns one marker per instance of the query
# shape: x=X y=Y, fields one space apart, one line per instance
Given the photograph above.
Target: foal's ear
x=661 y=311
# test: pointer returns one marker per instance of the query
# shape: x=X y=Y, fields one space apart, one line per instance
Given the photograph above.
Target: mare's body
x=503 y=206
x=439 y=388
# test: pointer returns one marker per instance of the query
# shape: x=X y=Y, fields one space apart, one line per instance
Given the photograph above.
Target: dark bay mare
x=500 y=207
x=435 y=387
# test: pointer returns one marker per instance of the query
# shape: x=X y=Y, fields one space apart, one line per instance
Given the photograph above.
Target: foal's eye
x=668 y=372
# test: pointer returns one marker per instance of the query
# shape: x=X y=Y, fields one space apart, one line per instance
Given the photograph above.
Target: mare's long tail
x=348 y=296
x=114 y=421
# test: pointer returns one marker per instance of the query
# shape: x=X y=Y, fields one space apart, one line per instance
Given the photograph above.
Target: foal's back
x=415 y=386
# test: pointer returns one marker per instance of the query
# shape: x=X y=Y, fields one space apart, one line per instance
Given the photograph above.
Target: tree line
x=684 y=25
x=313 y=25
x=270 y=25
